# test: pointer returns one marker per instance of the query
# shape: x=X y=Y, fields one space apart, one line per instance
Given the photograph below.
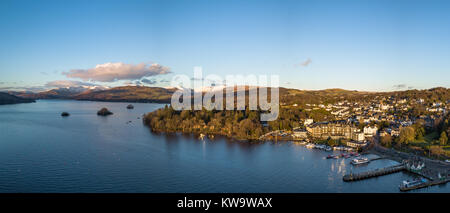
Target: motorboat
x=359 y=160
x=332 y=157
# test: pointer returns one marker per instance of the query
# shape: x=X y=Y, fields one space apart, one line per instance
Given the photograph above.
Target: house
x=395 y=132
x=359 y=136
x=370 y=131
x=308 y=122
x=299 y=133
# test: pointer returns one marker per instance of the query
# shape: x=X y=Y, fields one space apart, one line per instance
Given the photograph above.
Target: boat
x=359 y=160
x=310 y=146
x=201 y=136
x=328 y=149
x=332 y=156
x=319 y=146
x=412 y=183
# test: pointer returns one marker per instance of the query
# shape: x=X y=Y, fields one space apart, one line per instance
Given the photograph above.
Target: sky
x=370 y=45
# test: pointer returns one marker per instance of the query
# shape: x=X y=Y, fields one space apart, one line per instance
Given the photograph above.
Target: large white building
x=358 y=136
x=370 y=131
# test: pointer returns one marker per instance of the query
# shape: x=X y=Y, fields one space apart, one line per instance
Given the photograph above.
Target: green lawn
x=432 y=136
x=427 y=139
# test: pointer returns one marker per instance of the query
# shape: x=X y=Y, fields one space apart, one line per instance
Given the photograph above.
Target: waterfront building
x=299 y=133
x=356 y=144
x=333 y=129
x=358 y=136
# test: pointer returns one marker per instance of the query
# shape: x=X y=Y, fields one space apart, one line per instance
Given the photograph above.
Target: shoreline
x=433 y=167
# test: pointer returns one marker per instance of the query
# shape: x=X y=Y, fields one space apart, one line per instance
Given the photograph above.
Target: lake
x=40 y=151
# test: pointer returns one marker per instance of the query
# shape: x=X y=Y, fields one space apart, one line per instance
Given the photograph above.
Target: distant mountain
x=59 y=93
x=6 y=98
x=129 y=94
x=287 y=96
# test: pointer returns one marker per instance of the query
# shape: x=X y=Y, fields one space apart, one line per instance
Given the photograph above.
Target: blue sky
x=359 y=45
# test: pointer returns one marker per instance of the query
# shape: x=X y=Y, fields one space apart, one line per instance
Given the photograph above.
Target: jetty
x=374 y=173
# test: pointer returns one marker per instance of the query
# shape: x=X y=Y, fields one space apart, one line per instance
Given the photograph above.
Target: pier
x=375 y=158
x=374 y=173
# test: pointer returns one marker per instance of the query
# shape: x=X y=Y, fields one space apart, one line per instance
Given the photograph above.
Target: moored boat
x=310 y=146
x=202 y=136
x=332 y=157
x=359 y=160
x=412 y=183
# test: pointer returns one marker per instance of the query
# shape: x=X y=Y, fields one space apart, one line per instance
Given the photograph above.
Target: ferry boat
x=416 y=182
x=359 y=160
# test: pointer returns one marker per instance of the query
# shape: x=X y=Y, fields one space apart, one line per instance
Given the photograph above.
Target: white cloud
x=110 y=72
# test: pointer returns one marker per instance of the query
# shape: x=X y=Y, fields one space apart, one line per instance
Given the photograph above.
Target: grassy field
x=430 y=142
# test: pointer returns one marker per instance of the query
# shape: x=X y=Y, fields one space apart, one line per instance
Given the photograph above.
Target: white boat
x=310 y=145
x=201 y=136
x=303 y=143
x=408 y=183
x=359 y=160
x=319 y=146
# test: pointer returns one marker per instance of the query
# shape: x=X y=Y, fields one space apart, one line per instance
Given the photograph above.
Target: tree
x=407 y=134
x=420 y=132
x=386 y=140
x=443 y=139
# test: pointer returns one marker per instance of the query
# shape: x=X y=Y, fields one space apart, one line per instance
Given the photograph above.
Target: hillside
x=128 y=94
x=6 y=98
x=287 y=96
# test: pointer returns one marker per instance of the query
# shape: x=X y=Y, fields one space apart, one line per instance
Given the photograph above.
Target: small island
x=104 y=112
x=65 y=114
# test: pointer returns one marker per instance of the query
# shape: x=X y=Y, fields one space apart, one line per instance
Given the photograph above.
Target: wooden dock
x=375 y=158
x=374 y=173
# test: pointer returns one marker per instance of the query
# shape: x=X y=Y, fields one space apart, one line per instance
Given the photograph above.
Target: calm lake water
x=40 y=151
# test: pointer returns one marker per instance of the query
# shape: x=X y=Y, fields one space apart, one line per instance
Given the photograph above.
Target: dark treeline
x=240 y=124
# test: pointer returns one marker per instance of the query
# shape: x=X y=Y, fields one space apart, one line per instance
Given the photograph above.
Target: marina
x=425 y=180
x=411 y=166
